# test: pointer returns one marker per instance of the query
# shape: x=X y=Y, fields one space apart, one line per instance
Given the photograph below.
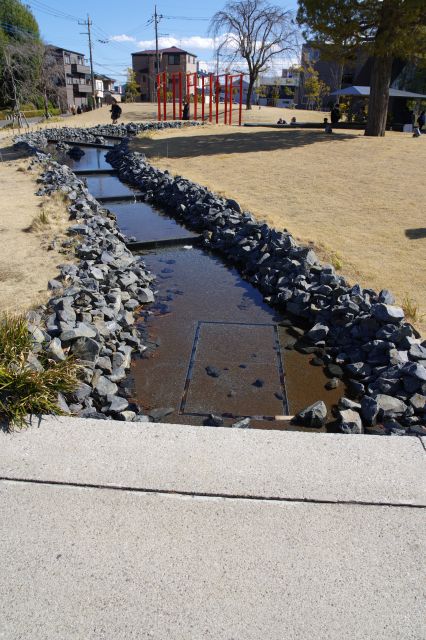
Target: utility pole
x=157 y=19
x=88 y=23
x=157 y=53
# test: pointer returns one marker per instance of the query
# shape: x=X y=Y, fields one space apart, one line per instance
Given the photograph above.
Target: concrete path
x=114 y=530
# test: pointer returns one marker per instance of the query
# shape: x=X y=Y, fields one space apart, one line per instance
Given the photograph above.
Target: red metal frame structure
x=210 y=83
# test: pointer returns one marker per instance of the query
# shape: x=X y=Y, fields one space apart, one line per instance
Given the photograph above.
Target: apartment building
x=171 y=60
x=278 y=91
x=76 y=76
x=339 y=76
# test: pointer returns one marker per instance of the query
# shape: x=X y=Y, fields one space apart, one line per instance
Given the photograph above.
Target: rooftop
x=78 y=53
x=152 y=52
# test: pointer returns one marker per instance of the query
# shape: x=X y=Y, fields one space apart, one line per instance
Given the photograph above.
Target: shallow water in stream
x=214 y=346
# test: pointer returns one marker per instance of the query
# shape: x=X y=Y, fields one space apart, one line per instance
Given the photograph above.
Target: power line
x=44 y=8
x=12 y=27
x=187 y=18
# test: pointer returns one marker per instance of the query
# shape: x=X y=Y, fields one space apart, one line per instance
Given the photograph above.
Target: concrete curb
x=218 y=461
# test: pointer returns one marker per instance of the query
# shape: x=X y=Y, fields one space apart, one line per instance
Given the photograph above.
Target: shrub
x=31 y=113
x=27 y=389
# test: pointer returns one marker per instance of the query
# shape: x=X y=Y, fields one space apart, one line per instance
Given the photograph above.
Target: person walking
x=115 y=111
x=421 y=121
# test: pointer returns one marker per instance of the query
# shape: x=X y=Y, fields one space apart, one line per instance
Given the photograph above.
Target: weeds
x=336 y=260
x=23 y=389
x=39 y=223
x=411 y=309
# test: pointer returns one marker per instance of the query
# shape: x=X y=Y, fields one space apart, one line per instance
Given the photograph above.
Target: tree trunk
x=46 y=105
x=379 y=96
x=249 y=92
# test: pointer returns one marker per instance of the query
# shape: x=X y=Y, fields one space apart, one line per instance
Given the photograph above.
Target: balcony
x=79 y=68
x=82 y=88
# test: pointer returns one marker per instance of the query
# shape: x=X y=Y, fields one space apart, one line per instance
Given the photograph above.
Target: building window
x=67 y=59
x=174 y=58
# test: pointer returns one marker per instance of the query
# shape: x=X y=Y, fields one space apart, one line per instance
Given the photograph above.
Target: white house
x=104 y=88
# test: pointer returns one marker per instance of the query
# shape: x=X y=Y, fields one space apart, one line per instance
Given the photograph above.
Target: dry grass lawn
x=137 y=112
x=360 y=200
x=27 y=225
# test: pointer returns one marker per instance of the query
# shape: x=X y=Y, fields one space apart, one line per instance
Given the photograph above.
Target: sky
x=122 y=27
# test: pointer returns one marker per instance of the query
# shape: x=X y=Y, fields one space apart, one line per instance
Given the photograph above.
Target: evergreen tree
x=17 y=22
x=132 y=88
x=21 y=53
x=385 y=29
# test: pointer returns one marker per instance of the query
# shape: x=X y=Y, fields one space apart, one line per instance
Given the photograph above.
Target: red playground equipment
x=204 y=93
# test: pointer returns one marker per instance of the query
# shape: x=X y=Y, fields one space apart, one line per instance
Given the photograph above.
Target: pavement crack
x=213 y=495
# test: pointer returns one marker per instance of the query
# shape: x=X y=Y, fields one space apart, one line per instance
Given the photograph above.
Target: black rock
x=314 y=416
x=213 y=421
x=158 y=414
x=332 y=384
x=118 y=404
x=86 y=349
x=387 y=313
x=350 y=421
x=241 y=424
x=334 y=370
x=212 y=371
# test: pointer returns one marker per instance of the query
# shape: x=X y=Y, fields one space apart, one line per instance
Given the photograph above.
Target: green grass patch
x=26 y=390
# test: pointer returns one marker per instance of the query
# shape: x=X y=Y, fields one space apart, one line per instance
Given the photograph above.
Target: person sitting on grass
x=281 y=121
x=327 y=126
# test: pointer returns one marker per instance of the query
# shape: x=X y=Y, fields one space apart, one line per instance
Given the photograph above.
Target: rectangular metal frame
x=191 y=364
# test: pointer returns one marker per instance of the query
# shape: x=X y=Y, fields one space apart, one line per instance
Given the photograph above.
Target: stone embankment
x=355 y=333
x=91 y=314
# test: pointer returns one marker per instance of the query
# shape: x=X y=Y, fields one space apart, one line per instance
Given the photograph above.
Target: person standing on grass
x=185 y=114
x=421 y=121
x=335 y=114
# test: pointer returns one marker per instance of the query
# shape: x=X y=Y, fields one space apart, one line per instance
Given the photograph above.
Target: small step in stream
x=215 y=347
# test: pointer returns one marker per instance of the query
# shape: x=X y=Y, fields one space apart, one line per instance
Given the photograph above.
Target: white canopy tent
x=364 y=92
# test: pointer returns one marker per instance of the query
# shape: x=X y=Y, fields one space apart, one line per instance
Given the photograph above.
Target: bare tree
x=20 y=66
x=257 y=32
x=52 y=80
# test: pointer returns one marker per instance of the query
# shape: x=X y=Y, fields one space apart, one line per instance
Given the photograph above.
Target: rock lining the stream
x=358 y=333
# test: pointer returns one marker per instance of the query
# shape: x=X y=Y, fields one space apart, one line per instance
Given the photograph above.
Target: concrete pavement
x=114 y=530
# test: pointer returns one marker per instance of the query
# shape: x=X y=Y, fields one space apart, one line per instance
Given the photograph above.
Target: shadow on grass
x=227 y=143
x=416 y=234
x=11 y=153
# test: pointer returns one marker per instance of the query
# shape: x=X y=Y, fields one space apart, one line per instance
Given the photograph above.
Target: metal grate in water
x=246 y=363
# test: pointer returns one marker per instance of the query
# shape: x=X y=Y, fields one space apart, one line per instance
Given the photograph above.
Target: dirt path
x=26 y=265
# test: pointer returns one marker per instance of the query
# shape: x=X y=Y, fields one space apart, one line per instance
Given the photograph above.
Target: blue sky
x=120 y=31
